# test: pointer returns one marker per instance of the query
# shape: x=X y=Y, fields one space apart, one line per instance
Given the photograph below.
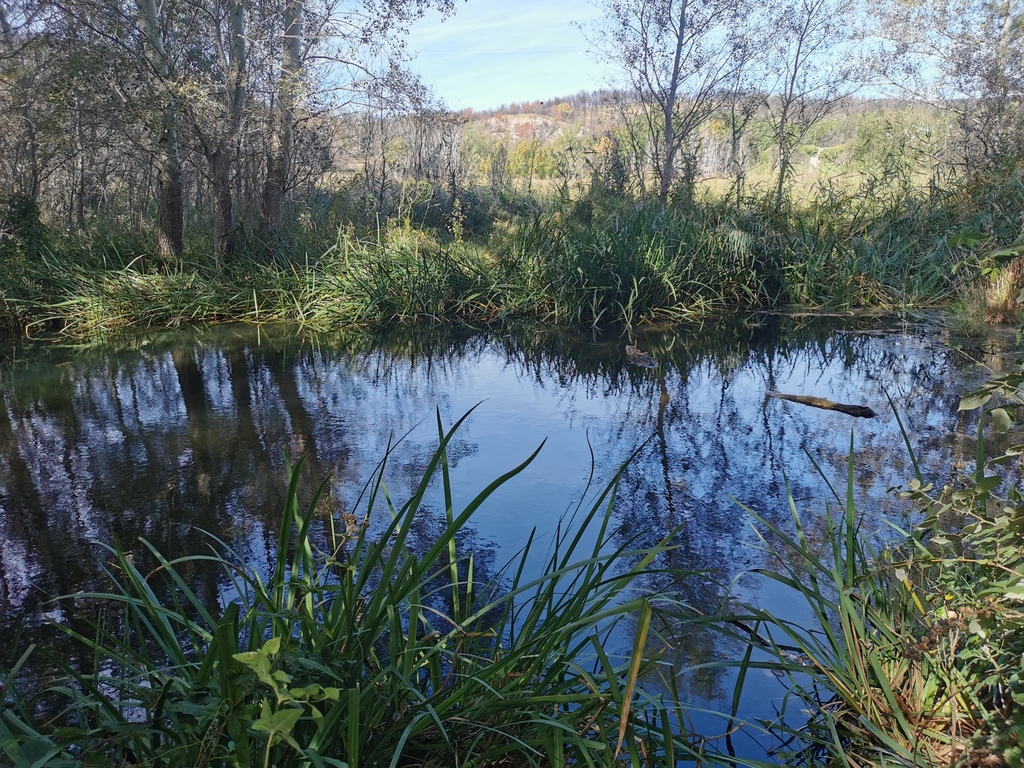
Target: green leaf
x=278 y=724
x=986 y=484
x=1002 y=256
x=974 y=400
x=1016 y=592
x=1001 y=419
x=305 y=691
x=30 y=753
x=968 y=238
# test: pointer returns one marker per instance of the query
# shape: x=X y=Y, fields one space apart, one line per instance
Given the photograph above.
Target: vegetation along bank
x=159 y=167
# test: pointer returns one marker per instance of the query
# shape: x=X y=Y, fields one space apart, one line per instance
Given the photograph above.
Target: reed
x=591 y=261
x=355 y=650
x=636 y=264
x=905 y=655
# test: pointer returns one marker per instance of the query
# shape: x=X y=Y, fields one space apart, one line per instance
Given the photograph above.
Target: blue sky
x=494 y=52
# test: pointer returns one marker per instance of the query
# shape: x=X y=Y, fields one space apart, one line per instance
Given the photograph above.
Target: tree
x=24 y=73
x=279 y=156
x=965 y=56
x=808 y=54
x=676 y=56
x=226 y=103
x=344 y=55
x=171 y=194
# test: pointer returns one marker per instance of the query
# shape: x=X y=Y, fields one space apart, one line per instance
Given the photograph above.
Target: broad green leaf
x=1001 y=419
x=968 y=238
x=986 y=484
x=306 y=691
x=280 y=722
x=974 y=400
x=1016 y=592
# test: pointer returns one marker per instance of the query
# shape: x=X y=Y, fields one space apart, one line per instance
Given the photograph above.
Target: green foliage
x=20 y=220
x=478 y=152
x=597 y=257
x=972 y=567
x=911 y=655
x=22 y=238
x=356 y=650
x=846 y=663
x=631 y=265
x=895 y=139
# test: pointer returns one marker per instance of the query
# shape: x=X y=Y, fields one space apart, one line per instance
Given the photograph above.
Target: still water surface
x=167 y=436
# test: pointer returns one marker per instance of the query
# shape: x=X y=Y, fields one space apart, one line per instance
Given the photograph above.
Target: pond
x=175 y=435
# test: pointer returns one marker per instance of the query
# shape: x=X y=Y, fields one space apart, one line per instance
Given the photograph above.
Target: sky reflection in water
x=170 y=435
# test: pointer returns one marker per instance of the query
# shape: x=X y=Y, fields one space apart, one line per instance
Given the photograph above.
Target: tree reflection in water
x=171 y=435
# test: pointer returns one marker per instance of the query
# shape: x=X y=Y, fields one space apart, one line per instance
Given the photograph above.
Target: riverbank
x=582 y=262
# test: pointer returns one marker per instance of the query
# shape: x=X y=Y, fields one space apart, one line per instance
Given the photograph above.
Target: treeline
x=200 y=134
x=191 y=112
x=595 y=144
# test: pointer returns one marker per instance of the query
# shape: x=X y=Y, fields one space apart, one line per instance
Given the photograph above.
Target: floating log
x=820 y=402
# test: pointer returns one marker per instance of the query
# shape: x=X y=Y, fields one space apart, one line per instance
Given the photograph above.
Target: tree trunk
x=282 y=139
x=221 y=154
x=223 y=205
x=668 y=162
x=170 y=196
x=170 y=213
x=785 y=151
x=668 y=107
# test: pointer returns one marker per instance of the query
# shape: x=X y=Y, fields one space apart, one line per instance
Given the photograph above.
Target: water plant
x=588 y=260
x=356 y=650
x=908 y=654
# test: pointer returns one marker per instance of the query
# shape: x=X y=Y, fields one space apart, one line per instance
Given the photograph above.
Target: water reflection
x=165 y=437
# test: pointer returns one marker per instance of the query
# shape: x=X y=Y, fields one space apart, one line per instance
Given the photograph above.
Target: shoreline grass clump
x=593 y=259
x=909 y=654
x=356 y=650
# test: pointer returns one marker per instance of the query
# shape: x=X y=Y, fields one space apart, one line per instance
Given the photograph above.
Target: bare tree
x=965 y=56
x=810 y=51
x=676 y=55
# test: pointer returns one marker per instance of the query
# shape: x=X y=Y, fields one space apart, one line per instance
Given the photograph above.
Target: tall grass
x=908 y=655
x=355 y=650
x=636 y=264
x=594 y=260
x=844 y=658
